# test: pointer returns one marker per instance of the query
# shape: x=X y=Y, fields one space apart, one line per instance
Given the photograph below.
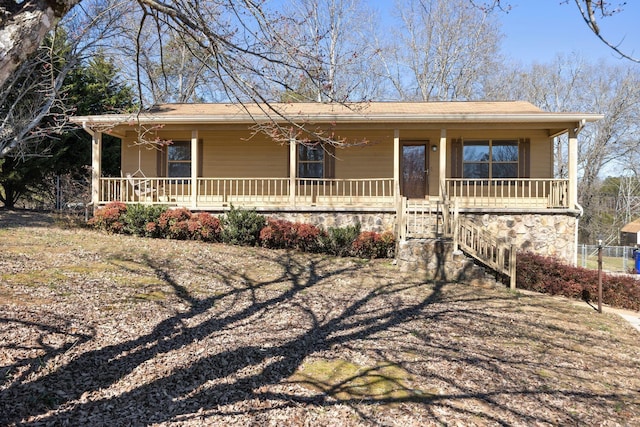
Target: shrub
x=109 y=218
x=549 y=275
x=370 y=244
x=208 y=229
x=174 y=224
x=339 y=240
x=242 y=227
x=277 y=234
x=307 y=237
x=138 y=216
x=281 y=234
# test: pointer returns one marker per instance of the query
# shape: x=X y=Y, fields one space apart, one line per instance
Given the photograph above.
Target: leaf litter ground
x=102 y=329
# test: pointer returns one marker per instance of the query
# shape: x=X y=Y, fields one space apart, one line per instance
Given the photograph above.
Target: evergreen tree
x=91 y=88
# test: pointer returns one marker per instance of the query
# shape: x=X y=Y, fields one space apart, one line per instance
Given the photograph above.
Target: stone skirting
x=544 y=234
x=369 y=221
x=550 y=234
x=436 y=260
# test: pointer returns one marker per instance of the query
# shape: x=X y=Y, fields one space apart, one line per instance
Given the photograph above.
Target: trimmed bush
x=277 y=234
x=242 y=227
x=209 y=229
x=339 y=241
x=549 y=275
x=370 y=244
x=307 y=237
x=138 y=216
x=110 y=218
x=281 y=234
x=183 y=225
x=174 y=224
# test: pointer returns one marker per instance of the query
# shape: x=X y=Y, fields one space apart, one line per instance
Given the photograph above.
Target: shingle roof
x=370 y=108
x=632 y=227
x=382 y=112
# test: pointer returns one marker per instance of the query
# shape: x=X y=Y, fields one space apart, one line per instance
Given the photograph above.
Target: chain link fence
x=618 y=259
x=72 y=195
x=62 y=193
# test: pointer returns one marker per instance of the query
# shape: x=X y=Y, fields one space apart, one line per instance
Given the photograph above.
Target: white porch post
x=396 y=162
x=195 y=161
x=96 y=166
x=293 y=155
x=396 y=186
x=442 y=163
x=573 y=168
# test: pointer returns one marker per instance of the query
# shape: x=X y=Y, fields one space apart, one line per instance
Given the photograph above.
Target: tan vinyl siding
x=541 y=157
x=233 y=154
x=372 y=160
x=138 y=157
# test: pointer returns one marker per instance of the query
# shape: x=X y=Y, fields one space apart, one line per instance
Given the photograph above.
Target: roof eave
x=332 y=118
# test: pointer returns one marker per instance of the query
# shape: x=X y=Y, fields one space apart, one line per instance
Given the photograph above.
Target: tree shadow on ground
x=13 y=218
x=254 y=377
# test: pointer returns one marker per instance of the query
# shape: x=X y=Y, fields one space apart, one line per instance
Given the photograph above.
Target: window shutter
x=329 y=161
x=524 y=158
x=456 y=158
x=200 y=153
x=289 y=161
x=161 y=161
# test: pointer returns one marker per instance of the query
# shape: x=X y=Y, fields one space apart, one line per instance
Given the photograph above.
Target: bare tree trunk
x=23 y=27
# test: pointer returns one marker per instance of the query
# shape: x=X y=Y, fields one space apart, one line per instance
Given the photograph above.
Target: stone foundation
x=369 y=221
x=551 y=234
x=544 y=234
x=548 y=234
x=436 y=260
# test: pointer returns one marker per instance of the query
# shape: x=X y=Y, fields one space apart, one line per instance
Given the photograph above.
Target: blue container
x=636 y=256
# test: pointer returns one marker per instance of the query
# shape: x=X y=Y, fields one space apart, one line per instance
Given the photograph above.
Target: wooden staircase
x=436 y=220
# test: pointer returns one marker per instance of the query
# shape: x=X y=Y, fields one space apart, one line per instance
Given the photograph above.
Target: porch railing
x=431 y=219
x=508 y=193
x=336 y=192
x=496 y=254
x=255 y=192
x=424 y=219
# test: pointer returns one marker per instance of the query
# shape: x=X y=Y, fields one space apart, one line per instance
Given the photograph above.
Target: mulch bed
x=102 y=329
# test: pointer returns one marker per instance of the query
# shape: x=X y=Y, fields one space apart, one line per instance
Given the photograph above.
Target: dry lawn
x=102 y=329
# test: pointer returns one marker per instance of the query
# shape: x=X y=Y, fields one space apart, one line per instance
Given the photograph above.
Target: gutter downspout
x=579 y=128
x=575 y=251
x=87 y=129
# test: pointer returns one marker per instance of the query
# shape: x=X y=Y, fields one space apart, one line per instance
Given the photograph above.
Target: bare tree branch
x=587 y=9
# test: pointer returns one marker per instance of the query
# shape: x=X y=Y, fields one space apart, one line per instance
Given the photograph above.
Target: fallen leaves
x=98 y=329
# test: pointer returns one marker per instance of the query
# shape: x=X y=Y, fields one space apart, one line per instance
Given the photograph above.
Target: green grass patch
x=345 y=380
x=35 y=278
x=151 y=296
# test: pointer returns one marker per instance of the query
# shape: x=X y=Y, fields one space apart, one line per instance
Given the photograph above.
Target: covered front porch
x=304 y=193
x=423 y=165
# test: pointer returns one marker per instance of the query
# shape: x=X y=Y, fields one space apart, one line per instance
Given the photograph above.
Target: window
x=493 y=159
x=179 y=160
x=310 y=161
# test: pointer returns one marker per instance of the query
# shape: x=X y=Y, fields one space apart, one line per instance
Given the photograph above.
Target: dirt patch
x=102 y=329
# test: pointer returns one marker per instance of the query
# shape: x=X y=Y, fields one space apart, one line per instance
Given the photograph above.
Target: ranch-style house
x=396 y=165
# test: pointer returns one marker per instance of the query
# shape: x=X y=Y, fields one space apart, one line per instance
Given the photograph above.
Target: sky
x=537 y=30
